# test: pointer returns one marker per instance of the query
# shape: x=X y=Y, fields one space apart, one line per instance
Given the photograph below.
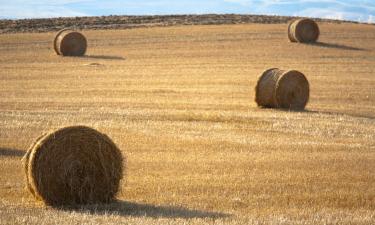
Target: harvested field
x=179 y=102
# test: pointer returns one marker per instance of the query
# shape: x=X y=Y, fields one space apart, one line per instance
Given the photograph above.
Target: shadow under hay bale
x=124 y=208
x=336 y=46
x=282 y=89
x=11 y=152
x=303 y=30
x=70 y=43
x=108 y=57
x=72 y=166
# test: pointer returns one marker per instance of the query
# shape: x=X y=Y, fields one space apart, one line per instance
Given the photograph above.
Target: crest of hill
x=128 y=22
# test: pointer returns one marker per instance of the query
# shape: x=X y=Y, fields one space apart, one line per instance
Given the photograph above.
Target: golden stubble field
x=179 y=102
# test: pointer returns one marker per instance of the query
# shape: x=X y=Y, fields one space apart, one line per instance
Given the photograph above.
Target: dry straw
x=70 y=43
x=73 y=165
x=282 y=89
x=303 y=30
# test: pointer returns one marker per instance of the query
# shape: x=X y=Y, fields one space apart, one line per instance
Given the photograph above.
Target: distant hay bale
x=70 y=43
x=73 y=165
x=303 y=30
x=282 y=89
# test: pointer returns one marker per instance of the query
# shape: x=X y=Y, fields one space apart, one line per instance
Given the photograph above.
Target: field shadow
x=283 y=109
x=340 y=114
x=337 y=46
x=11 y=152
x=333 y=113
x=309 y=111
x=104 y=57
x=125 y=208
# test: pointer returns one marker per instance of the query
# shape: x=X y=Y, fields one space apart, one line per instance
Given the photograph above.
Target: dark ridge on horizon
x=129 y=22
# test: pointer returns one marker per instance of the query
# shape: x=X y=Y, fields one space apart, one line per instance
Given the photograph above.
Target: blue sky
x=361 y=10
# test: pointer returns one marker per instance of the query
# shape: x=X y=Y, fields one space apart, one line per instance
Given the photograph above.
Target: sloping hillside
x=128 y=22
x=179 y=103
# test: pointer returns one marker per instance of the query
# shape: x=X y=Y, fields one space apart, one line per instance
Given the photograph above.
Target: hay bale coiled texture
x=282 y=89
x=72 y=166
x=70 y=43
x=303 y=30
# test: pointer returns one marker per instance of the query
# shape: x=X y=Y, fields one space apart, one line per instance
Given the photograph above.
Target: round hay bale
x=69 y=43
x=303 y=30
x=74 y=165
x=282 y=89
x=25 y=160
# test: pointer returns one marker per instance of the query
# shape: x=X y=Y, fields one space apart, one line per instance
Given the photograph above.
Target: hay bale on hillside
x=73 y=165
x=303 y=30
x=282 y=89
x=70 y=43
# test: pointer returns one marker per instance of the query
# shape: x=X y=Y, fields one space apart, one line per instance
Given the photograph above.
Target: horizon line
x=184 y=14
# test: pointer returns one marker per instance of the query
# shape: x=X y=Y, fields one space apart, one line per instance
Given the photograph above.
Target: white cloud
x=333 y=13
x=38 y=9
x=361 y=11
x=321 y=13
x=44 y=12
x=240 y=2
x=371 y=19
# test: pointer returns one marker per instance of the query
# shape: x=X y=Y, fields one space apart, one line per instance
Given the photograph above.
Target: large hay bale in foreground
x=74 y=165
x=282 y=89
x=25 y=160
x=70 y=43
x=303 y=30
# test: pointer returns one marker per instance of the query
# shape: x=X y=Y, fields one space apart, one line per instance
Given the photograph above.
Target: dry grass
x=179 y=102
